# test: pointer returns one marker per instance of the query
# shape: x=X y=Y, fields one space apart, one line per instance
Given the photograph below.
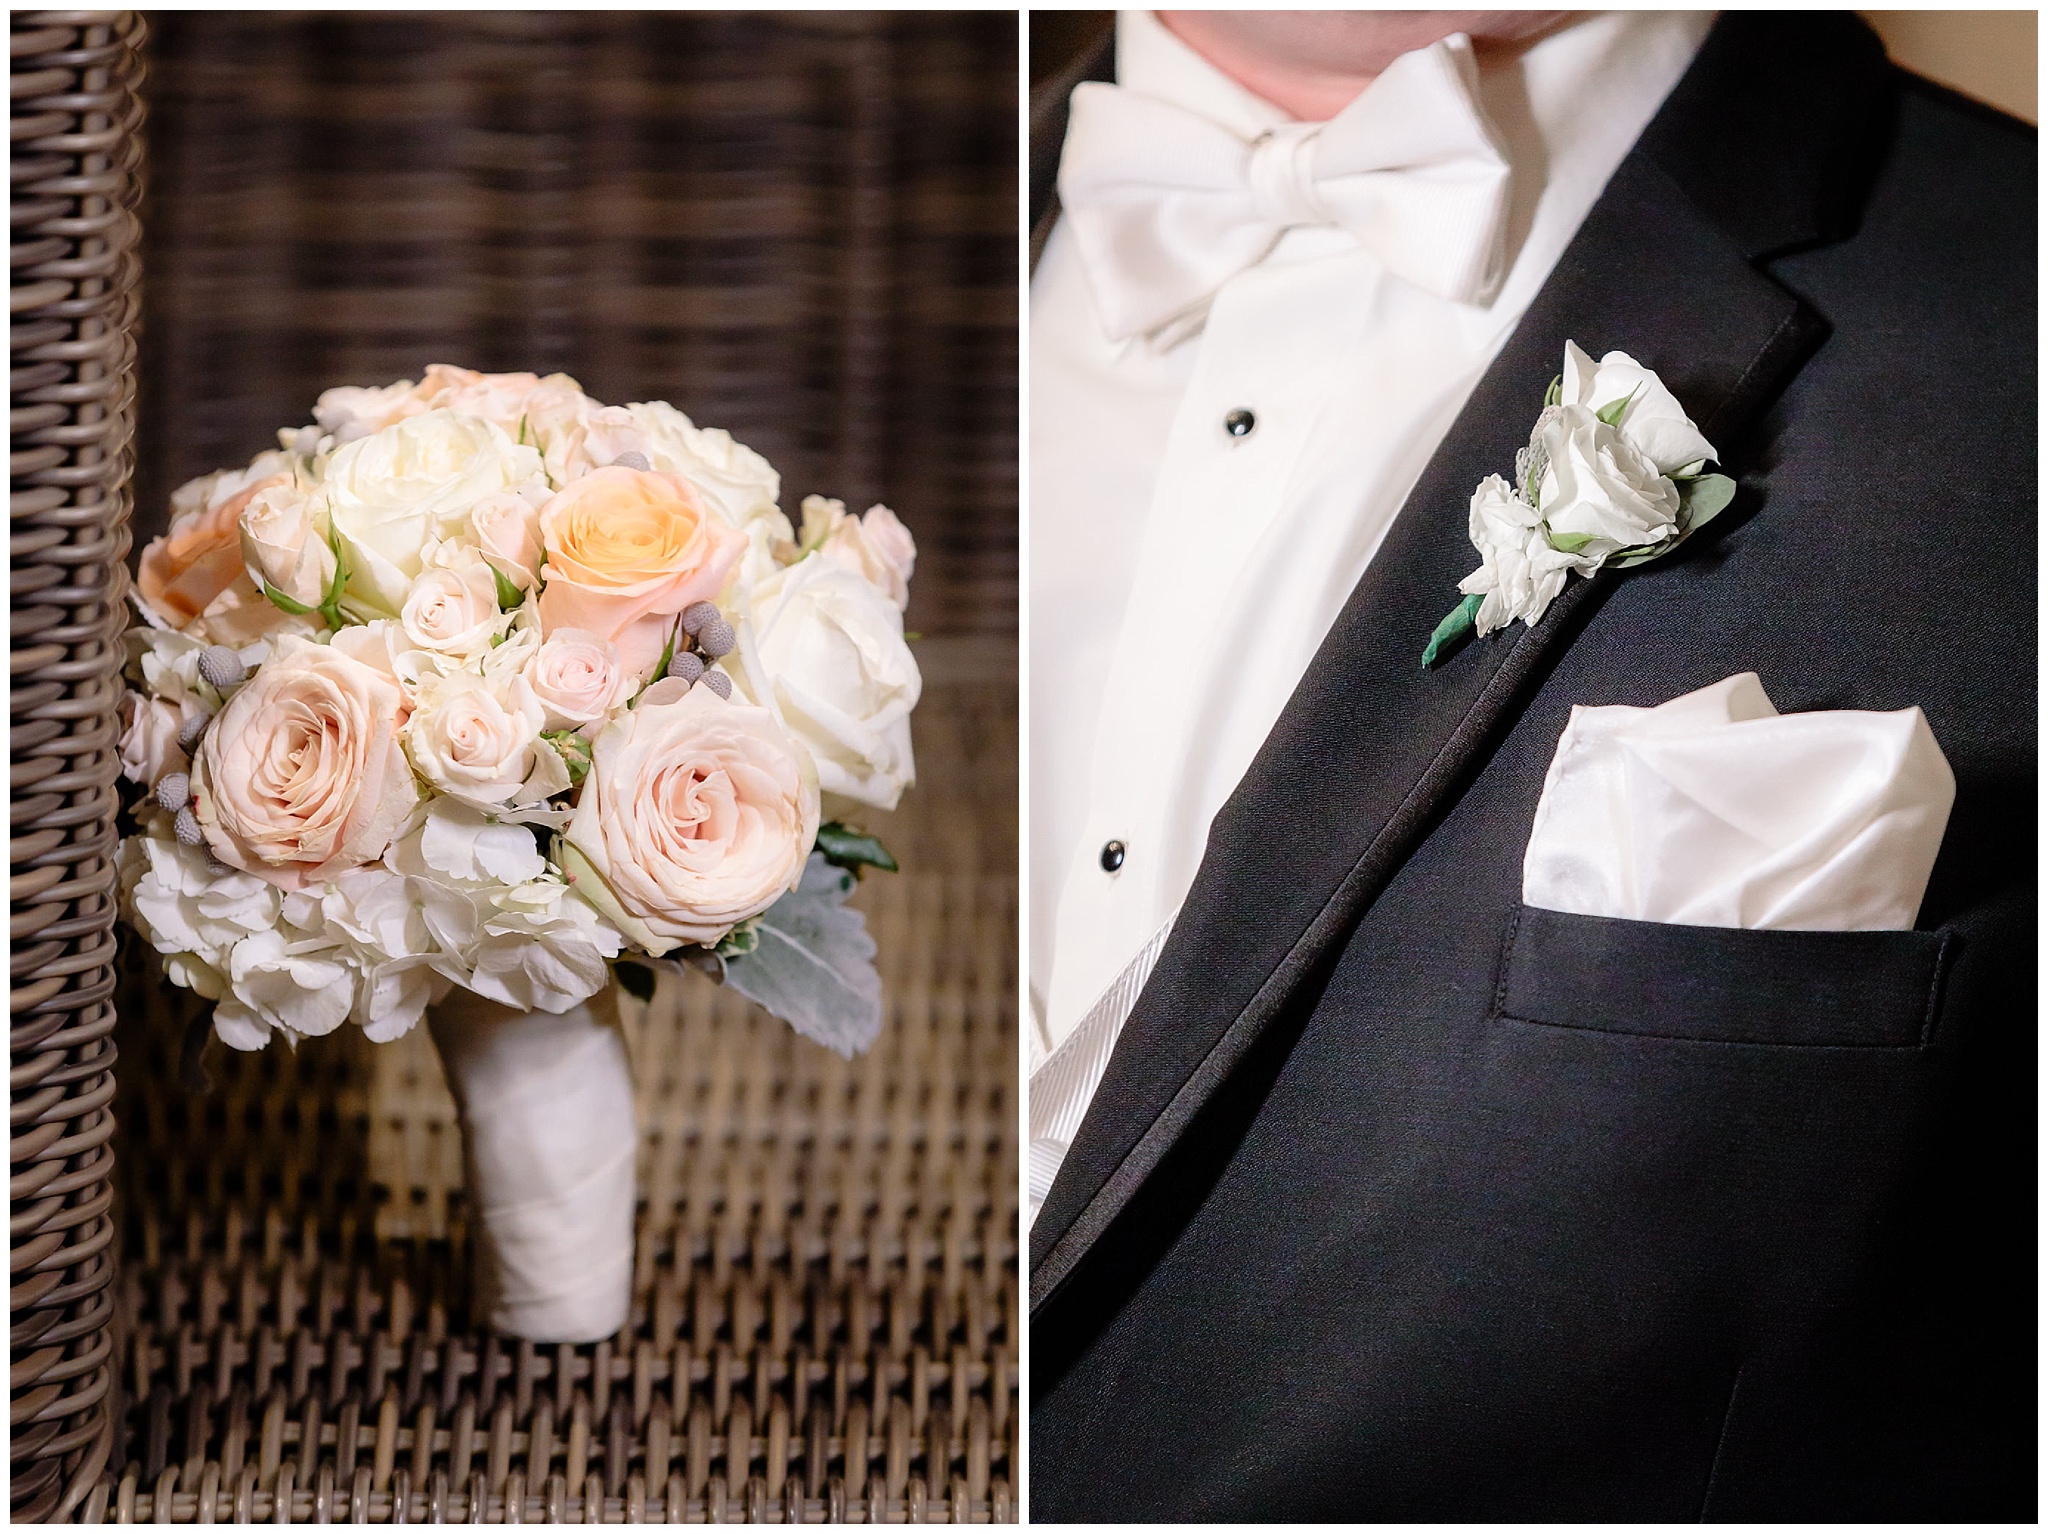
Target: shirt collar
x=1555 y=95
x=1151 y=60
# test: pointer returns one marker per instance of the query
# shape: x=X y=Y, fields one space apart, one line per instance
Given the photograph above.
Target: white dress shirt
x=1181 y=577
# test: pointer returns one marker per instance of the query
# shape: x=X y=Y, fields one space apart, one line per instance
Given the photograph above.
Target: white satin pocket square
x=1715 y=810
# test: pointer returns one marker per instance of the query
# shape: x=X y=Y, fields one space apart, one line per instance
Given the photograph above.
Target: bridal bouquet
x=476 y=694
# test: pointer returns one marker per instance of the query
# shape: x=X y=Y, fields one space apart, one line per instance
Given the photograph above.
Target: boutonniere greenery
x=1612 y=476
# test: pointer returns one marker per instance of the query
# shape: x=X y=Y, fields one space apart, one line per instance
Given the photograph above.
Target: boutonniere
x=1611 y=476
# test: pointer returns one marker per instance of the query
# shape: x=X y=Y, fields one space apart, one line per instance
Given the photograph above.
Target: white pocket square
x=1715 y=810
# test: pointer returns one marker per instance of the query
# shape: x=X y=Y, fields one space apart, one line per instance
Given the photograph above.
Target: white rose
x=149 y=739
x=827 y=648
x=478 y=740
x=696 y=815
x=273 y=983
x=1598 y=488
x=506 y=528
x=349 y=413
x=392 y=492
x=736 y=481
x=1520 y=572
x=1653 y=424
x=284 y=540
x=877 y=547
x=453 y=612
x=578 y=678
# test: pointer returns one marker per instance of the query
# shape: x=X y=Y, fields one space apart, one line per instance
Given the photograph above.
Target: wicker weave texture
x=799 y=227
x=825 y=1300
x=75 y=185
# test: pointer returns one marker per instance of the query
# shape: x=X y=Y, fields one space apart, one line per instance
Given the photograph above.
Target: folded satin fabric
x=548 y=1128
x=1167 y=206
x=1715 y=810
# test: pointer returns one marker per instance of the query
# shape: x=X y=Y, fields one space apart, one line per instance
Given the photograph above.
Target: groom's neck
x=1313 y=64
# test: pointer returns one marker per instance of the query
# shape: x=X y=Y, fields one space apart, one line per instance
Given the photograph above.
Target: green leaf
x=330 y=609
x=574 y=751
x=339 y=583
x=1555 y=393
x=1705 y=498
x=1641 y=554
x=850 y=847
x=1569 y=543
x=1612 y=412
x=509 y=595
x=1456 y=627
x=745 y=937
x=282 y=602
x=636 y=980
x=668 y=653
x=522 y=431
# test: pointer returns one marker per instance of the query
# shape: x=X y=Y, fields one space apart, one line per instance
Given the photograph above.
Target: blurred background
x=1989 y=55
x=800 y=228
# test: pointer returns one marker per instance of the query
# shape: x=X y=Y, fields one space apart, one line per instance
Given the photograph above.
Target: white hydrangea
x=187 y=910
x=505 y=924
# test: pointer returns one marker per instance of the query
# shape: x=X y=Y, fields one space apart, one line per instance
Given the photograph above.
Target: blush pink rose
x=302 y=776
x=578 y=679
x=696 y=815
x=627 y=550
x=149 y=739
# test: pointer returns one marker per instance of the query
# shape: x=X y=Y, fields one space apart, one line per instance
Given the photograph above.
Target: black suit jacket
x=1402 y=1201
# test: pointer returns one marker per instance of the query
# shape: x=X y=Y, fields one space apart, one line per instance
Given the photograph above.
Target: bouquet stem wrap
x=549 y=1136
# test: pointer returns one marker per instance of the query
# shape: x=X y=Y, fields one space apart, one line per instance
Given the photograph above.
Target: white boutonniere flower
x=1613 y=475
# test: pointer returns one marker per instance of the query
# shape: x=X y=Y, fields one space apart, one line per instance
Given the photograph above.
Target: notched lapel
x=1371 y=749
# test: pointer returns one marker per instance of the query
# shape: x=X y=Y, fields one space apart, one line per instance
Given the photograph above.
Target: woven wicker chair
x=825 y=1307
x=73 y=304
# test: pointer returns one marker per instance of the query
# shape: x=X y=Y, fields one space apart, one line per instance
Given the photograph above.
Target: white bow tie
x=1166 y=206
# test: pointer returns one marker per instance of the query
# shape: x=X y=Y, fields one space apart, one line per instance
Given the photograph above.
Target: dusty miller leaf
x=813 y=965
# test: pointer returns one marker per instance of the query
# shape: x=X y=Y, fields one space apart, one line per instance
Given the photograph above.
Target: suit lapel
x=1371 y=749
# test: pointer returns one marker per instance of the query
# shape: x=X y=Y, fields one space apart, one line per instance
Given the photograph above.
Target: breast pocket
x=1800 y=990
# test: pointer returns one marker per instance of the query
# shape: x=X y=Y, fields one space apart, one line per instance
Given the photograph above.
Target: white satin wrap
x=1715 y=810
x=548 y=1130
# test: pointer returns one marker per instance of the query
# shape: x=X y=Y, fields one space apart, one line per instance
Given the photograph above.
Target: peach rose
x=199 y=558
x=627 y=550
x=696 y=815
x=302 y=775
